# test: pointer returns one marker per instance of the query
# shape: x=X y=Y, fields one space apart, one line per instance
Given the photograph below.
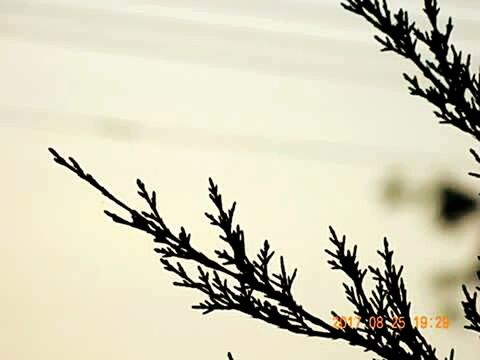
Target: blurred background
x=288 y=105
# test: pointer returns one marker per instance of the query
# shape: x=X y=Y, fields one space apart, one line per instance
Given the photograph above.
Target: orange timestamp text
x=396 y=322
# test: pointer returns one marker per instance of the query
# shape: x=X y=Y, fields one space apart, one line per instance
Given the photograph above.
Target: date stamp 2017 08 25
x=378 y=322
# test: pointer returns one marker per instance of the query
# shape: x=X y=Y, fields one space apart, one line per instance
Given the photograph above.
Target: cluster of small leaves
x=233 y=281
x=453 y=89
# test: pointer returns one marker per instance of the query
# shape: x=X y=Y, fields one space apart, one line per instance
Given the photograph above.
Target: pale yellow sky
x=300 y=133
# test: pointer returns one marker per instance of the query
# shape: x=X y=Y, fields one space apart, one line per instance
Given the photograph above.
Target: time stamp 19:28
x=378 y=322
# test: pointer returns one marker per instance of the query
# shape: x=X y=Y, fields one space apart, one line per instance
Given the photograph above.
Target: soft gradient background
x=287 y=104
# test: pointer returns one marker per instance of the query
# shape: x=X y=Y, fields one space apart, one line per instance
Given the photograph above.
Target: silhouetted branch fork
x=454 y=90
x=180 y=247
x=471 y=310
x=250 y=287
x=477 y=159
x=470 y=306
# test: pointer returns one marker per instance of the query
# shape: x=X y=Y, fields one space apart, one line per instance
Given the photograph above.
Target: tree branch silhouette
x=453 y=89
x=233 y=281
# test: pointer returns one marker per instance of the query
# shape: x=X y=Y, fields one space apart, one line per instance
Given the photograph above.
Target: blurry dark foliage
x=452 y=201
x=455 y=204
x=394 y=189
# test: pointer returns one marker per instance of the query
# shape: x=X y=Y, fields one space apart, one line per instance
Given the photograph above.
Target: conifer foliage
x=453 y=89
x=255 y=286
